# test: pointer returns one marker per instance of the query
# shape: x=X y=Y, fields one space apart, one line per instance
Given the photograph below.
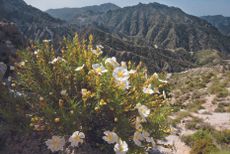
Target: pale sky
x=195 y=7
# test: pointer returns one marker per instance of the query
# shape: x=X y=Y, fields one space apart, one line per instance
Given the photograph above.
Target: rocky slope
x=166 y=27
x=201 y=97
x=33 y=23
x=11 y=39
x=155 y=59
x=158 y=25
x=220 y=22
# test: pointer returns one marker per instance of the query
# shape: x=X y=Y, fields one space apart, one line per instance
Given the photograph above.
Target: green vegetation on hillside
x=208 y=140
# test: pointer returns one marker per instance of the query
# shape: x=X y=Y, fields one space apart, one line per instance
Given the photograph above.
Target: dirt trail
x=219 y=121
x=179 y=146
x=209 y=106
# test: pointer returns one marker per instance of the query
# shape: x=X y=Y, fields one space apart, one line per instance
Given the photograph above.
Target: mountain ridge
x=156 y=24
x=33 y=23
x=221 y=22
x=167 y=27
x=68 y=14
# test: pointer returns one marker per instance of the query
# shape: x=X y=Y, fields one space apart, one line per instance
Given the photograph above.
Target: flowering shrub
x=104 y=103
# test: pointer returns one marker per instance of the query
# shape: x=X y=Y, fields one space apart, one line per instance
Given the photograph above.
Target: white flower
x=97 y=51
x=121 y=147
x=110 y=137
x=112 y=61
x=132 y=71
x=146 y=136
x=143 y=111
x=155 y=75
x=141 y=136
x=121 y=74
x=21 y=64
x=64 y=93
x=55 y=60
x=46 y=41
x=76 y=138
x=36 y=52
x=84 y=92
x=163 y=81
x=148 y=90
x=56 y=143
x=99 y=46
x=138 y=125
x=123 y=84
x=137 y=138
x=80 y=68
x=123 y=64
x=164 y=94
x=99 y=69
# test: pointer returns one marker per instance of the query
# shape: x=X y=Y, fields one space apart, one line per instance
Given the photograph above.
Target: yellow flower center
x=120 y=74
x=110 y=137
x=142 y=110
x=99 y=70
x=55 y=143
x=121 y=147
x=77 y=138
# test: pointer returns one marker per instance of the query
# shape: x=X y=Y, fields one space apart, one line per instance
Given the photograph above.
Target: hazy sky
x=195 y=7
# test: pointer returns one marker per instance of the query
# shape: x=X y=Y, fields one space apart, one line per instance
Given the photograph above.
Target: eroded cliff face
x=33 y=23
x=154 y=24
x=167 y=27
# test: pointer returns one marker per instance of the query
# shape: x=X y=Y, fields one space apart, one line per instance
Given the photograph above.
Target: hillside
x=201 y=121
x=44 y=26
x=70 y=14
x=167 y=27
x=155 y=59
x=155 y=24
x=10 y=40
x=33 y=23
x=220 y=22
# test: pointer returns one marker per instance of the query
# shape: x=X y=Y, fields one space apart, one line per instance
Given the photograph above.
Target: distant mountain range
x=163 y=37
x=70 y=14
x=153 y=24
x=220 y=22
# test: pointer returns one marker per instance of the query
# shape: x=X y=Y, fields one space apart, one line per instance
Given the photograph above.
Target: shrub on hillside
x=202 y=142
x=81 y=97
